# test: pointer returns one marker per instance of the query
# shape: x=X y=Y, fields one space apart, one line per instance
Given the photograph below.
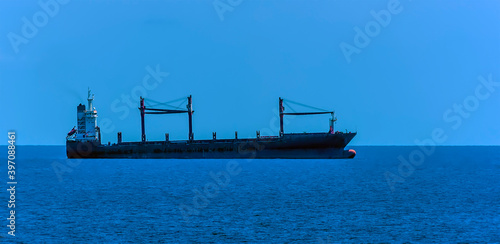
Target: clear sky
x=394 y=71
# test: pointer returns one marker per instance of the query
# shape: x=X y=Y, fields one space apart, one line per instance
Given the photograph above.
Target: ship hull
x=289 y=146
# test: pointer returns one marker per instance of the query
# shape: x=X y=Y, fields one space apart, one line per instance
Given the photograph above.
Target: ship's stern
x=79 y=149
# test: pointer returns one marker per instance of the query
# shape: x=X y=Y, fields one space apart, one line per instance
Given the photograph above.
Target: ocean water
x=450 y=194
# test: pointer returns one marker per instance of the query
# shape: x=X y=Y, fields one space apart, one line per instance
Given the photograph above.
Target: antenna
x=90 y=99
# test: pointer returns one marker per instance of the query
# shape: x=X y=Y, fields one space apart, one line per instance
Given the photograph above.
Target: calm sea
x=449 y=194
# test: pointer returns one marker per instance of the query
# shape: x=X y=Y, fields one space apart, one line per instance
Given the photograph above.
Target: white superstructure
x=87 y=129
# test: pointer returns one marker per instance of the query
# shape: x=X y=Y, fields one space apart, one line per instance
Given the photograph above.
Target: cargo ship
x=84 y=140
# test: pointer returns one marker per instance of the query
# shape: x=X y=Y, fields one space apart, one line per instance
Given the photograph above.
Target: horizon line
x=366 y=145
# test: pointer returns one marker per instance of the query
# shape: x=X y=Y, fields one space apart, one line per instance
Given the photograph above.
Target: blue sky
x=408 y=76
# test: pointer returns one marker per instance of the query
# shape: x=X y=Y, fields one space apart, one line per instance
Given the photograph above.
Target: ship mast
x=190 y=115
x=321 y=111
x=281 y=116
x=142 y=108
x=90 y=99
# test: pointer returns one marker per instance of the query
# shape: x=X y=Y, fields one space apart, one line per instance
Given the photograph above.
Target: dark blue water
x=452 y=195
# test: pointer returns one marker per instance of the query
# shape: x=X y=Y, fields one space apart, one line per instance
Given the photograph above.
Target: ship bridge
x=86 y=120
